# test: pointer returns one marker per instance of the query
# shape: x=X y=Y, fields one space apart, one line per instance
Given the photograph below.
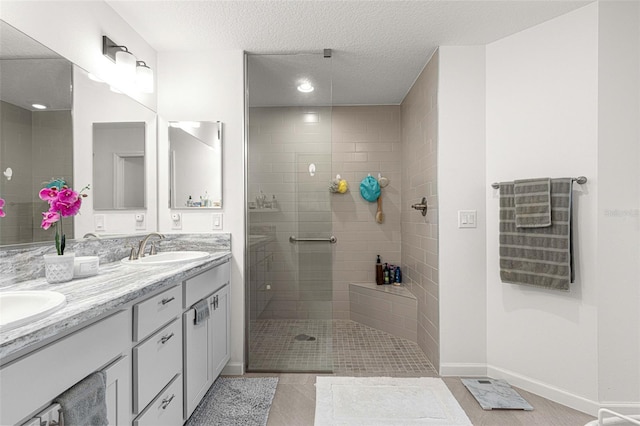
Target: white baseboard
x=463 y=370
x=545 y=390
x=233 y=369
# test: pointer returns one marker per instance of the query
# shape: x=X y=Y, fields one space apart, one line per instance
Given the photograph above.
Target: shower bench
x=392 y=309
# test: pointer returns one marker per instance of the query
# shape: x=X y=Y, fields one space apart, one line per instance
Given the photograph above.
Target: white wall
x=209 y=86
x=95 y=103
x=619 y=205
x=462 y=186
x=542 y=115
x=74 y=29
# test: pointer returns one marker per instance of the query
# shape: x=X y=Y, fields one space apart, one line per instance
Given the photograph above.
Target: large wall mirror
x=195 y=164
x=36 y=132
x=38 y=144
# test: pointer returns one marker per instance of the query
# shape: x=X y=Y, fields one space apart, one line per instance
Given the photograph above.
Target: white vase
x=58 y=269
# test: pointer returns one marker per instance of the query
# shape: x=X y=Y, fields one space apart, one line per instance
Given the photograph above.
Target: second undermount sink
x=167 y=258
x=18 y=308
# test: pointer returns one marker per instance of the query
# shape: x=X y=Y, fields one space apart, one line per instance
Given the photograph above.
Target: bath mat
x=493 y=394
x=236 y=401
x=377 y=401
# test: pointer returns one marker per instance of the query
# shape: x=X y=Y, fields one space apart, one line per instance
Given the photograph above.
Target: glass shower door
x=289 y=220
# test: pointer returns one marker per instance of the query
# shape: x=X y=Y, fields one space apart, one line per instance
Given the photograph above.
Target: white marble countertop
x=114 y=286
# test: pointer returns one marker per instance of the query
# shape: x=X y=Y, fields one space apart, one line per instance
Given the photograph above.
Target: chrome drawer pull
x=164 y=339
x=165 y=301
x=167 y=401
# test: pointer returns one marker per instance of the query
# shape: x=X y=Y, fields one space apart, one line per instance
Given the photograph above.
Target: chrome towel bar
x=331 y=240
x=579 y=179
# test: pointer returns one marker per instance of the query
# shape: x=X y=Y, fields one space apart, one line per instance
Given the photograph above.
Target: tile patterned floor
x=341 y=347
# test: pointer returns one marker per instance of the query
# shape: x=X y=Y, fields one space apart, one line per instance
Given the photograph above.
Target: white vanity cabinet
x=206 y=344
x=33 y=381
x=118 y=392
x=157 y=359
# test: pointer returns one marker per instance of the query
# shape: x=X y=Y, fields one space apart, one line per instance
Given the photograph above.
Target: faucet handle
x=133 y=255
x=153 y=250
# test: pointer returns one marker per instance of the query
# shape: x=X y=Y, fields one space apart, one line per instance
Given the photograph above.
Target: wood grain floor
x=295 y=400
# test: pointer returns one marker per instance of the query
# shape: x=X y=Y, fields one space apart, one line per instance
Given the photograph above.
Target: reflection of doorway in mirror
x=128 y=168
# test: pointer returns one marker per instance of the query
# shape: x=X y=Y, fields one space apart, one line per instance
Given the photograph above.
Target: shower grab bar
x=331 y=240
x=580 y=179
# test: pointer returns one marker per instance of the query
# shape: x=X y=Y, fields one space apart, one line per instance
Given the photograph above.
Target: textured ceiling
x=379 y=47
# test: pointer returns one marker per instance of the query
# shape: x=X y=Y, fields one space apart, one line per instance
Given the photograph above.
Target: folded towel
x=202 y=311
x=85 y=402
x=533 y=202
x=537 y=256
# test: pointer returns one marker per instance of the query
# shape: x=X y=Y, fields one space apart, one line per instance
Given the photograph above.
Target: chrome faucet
x=143 y=243
x=91 y=234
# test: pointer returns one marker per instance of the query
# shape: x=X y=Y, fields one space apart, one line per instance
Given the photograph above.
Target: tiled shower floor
x=341 y=346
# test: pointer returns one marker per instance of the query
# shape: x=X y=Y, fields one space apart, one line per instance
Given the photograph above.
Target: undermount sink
x=18 y=308
x=167 y=258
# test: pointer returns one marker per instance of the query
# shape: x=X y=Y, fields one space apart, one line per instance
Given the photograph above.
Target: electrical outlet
x=176 y=221
x=217 y=221
x=140 y=223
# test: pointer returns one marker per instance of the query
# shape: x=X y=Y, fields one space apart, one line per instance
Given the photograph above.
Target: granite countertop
x=114 y=286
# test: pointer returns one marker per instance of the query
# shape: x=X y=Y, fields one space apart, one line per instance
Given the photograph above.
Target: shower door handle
x=331 y=240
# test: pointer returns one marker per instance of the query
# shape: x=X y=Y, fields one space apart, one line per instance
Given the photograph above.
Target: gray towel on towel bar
x=533 y=202
x=537 y=256
x=202 y=311
x=85 y=403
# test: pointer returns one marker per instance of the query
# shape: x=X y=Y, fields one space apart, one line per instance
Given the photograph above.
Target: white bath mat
x=377 y=401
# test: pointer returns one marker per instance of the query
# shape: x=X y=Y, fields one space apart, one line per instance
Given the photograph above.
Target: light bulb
x=144 y=78
x=125 y=66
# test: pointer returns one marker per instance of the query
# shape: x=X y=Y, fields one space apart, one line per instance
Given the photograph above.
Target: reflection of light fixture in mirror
x=310 y=117
x=129 y=70
x=39 y=106
x=8 y=173
x=144 y=77
x=185 y=124
x=305 y=87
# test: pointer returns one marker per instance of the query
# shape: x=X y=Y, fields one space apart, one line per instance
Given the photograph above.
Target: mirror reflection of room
x=118 y=165
x=36 y=142
x=195 y=164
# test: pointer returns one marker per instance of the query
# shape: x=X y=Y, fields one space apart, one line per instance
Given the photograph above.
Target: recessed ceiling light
x=39 y=106
x=306 y=87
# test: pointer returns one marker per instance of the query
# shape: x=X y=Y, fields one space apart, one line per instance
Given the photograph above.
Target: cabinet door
x=118 y=393
x=220 y=331
x=197 y=367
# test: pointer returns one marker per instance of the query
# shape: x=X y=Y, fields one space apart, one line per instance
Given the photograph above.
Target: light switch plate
x=98 y=222
x=216 y=221
x=467 y=219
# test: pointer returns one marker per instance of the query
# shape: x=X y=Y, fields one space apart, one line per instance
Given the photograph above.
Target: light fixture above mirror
x=130 y=72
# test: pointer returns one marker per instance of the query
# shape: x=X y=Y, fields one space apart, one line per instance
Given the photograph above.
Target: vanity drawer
x=155 y=362
x=202 y=285
x=153 y=313
x=166 y=409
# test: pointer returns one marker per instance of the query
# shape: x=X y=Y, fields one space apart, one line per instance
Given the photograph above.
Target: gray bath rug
x=495 y=394
x=236 y=401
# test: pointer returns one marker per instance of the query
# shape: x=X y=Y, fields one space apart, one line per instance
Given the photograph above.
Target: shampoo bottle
x=379 y=277
x=386 y=274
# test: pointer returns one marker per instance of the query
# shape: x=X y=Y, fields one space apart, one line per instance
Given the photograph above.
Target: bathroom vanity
x=136 y=324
